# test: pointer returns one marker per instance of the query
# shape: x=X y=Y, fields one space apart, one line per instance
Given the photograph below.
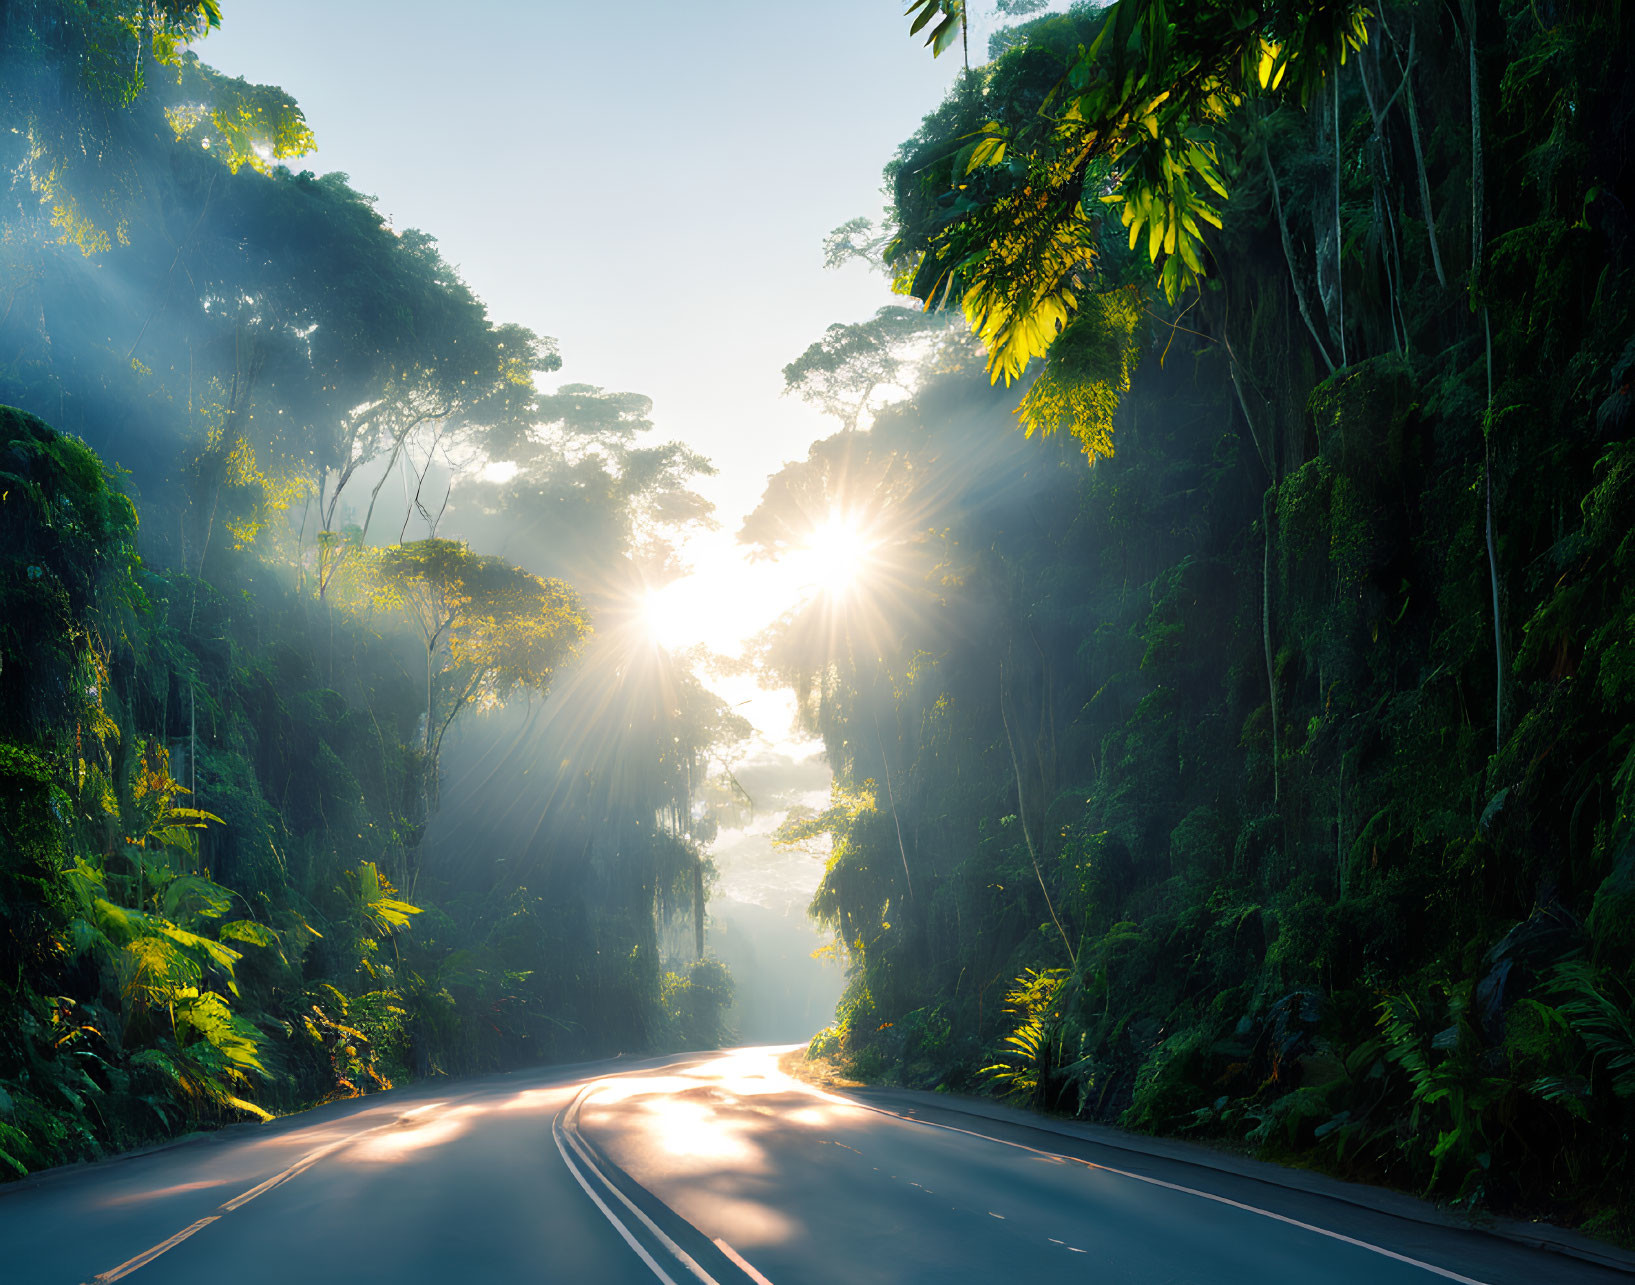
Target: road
x=703 y=1167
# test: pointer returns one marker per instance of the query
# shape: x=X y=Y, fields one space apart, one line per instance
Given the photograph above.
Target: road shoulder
x=957 y=1107
x=1027 y=1126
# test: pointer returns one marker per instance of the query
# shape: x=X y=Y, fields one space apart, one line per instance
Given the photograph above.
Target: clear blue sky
x=650 y=183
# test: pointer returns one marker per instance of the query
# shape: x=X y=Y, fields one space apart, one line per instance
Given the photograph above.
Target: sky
x=650 y=184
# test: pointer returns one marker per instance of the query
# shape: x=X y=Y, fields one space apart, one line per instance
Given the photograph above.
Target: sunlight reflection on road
x=348 y=1126
x=744 y=1072
x=708 y=1112
x=431 y=1131
x=533 y=1100
x=709 y=1124
x=161 y=1193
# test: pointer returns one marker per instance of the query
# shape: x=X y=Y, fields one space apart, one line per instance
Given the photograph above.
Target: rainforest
x=1163 y=662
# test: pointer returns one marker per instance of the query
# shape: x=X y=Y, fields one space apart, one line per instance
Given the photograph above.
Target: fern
x=10 y=1137
x=1029 y=1051
x=1603 y=1022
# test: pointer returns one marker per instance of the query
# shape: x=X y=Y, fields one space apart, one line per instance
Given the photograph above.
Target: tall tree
x=487 y=628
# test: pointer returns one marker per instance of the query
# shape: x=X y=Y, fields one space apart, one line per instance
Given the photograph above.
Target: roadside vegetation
x=1233 y=712
x=256 y=587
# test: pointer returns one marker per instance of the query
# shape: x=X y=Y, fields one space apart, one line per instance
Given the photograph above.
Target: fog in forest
x=1182 y=680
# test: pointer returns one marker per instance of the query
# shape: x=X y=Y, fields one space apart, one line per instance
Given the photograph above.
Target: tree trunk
x=1477 y=178
x=891 y=798
x=1339 y=830
x=698 y=907
x=1339 y=237
x=1407 y=90
x=1492 y=551
x=1266 y=633
x=1477 y=186
x=428 y=767
x=1383 y=174
x=1288 y=257
x=1027 y=834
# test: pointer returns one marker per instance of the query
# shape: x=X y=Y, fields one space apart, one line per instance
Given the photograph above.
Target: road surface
x=706 y=1167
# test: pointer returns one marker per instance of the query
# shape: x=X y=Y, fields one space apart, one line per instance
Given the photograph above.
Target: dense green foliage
x=1121 y=111
x=230 y=882
x=1270 y=779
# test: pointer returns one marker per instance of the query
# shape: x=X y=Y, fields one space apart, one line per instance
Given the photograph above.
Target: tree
x=998 y=199
x=588 y=496
x=241 y=337
x=75 y=76
x=487 y=627
x=840 y=373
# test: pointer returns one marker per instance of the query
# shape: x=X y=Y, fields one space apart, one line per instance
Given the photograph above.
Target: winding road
x=705 y=1167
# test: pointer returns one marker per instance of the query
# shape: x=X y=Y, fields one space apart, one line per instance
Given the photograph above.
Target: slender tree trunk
x=1407 y=91
x=1268 y=459
x=1390 y=278
x=698 y=908
x=1027 y=834
x=1396 y=259
x=891 y=797
x=1492 y=551
x=437 y=521
x=425 y=741
x=1477 y=189
x=369 y=513
x=1477 y=177
x=1383 y=177
x=1339 y=829
x=1266 y=634
x=1425 y=193
x=413 y=503
x=1339 y=238
x=1288 y=257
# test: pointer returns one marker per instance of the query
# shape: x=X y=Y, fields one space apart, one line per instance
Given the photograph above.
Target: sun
x=835 y=554
x=727 y=596
x=671 y=615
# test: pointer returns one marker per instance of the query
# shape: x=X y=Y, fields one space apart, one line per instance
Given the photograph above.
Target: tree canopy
x=999 y=199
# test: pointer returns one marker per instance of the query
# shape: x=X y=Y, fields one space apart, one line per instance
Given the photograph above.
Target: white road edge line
x=312 y=1157
x=743 y=1263
x=1190 y=1191
x=629 y=1239
x=559 y=1134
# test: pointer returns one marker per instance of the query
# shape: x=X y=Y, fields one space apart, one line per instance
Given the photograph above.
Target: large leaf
x=380 y=907
x=248 y=930
x=190 y=898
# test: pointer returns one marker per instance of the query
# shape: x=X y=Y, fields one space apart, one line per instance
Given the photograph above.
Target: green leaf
x=194 y=897
x=247 y=930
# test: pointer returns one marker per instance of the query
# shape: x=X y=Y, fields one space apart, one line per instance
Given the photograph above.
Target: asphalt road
x=708 y=1167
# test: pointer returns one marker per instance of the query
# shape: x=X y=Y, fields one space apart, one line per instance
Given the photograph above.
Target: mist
x=1202 y=601
x=326 y=631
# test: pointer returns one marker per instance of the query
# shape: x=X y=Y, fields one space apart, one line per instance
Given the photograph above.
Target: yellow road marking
x=148 y=1255
x=243 y=1198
